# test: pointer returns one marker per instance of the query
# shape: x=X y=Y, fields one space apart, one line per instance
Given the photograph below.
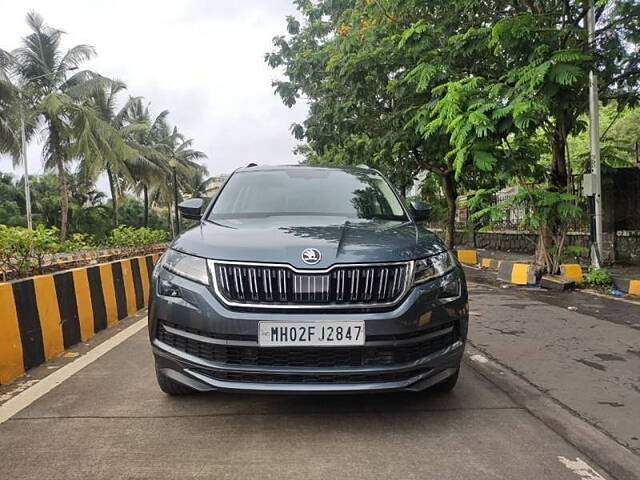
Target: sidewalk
x=587 y=360
x=626 y=278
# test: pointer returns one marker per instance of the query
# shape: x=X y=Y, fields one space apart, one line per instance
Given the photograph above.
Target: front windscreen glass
x=307 y=191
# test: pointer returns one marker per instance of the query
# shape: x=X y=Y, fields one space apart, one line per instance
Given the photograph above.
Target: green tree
x=620 y=134
x=345 y=59
x=12 y=201
x=9 y=108
x=182 y=157
x=160 y=144
x=517 y=70
x=147 y=143
x=124 y=162
x=197 y=184
x=70 y=129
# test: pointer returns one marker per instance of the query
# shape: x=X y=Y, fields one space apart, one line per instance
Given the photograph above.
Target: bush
x=130 y=237
x=77 y=242
x=598 y=277
x=21 y=249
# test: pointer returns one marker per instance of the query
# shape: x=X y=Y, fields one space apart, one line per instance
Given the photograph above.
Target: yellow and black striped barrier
x=490 y=263
x=517 y=273
x=630 y=286
x=42 y=316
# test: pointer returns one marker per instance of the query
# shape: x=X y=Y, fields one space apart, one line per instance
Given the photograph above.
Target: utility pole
x=23 y=152
x=594 y=137
x=173 y=165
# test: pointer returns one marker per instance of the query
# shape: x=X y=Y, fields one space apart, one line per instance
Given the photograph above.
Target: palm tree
x=161 y=144
x=185 y=158
x=198 y=184
x=124 y=166
x=70 y=129
x=9 y=135
x=147 y=144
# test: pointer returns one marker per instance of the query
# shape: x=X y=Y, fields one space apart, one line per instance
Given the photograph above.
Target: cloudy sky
x=200 y=59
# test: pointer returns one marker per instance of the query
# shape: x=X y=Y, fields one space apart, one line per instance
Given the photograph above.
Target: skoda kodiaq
x=307 y=279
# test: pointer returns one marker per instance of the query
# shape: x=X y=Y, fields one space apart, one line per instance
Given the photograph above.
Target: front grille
x=366 y=285
x=311 y=356
x=253 y=377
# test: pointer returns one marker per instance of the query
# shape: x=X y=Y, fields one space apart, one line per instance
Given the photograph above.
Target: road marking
x=33 y=393
x=581 y=468
x=479 y=358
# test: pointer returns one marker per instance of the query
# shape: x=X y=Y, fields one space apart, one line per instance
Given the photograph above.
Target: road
x=109 y=420
x=588 y=358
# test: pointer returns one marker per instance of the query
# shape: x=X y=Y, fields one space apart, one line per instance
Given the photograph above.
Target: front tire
x=171 y=387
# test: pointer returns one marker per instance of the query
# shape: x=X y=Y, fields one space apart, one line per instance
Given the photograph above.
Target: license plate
x=312 y=334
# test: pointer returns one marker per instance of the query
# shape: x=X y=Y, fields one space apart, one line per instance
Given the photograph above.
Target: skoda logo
x=311 y=256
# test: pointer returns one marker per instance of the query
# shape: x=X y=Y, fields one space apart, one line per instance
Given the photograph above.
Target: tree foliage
x=80 y=118
x=465 y=89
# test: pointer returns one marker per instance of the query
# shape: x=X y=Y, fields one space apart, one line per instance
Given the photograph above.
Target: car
x=302 y=279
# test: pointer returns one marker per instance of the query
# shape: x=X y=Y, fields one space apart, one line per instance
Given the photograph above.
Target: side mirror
x=421 y=211
x=191 y=209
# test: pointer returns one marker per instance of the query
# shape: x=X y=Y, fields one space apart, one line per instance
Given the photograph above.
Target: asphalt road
x=110 y=420
x=587 y=358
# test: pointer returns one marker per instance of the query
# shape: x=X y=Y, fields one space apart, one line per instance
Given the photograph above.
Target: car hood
x=281 y=239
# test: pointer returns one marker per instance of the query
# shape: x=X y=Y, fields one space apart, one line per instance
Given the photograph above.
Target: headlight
x=433 y=267
x=449 y=286
x=188 y=266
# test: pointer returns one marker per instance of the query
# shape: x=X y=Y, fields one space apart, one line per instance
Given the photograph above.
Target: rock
x=555 y=282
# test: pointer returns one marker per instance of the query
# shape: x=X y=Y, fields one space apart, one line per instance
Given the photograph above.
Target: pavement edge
x=604 y=451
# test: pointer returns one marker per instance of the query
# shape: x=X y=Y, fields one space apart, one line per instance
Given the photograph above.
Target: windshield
x=307 y=191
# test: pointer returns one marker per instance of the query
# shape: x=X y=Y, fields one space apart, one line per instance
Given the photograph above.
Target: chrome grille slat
x=280 y=286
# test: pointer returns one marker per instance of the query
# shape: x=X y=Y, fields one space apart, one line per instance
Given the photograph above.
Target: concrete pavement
x=111 y=421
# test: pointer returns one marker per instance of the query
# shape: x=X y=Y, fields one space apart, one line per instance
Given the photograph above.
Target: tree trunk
x=449 y=189
x=57 y=152
x=558 y=182
x=545 y=239
x=145 y=195
x=114 y=197
x=64 y=198
x=559 y=179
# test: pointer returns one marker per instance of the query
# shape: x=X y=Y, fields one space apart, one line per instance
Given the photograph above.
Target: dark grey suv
x=305 y=279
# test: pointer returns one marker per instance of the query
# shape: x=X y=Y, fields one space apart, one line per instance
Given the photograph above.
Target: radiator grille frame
x=283 y=303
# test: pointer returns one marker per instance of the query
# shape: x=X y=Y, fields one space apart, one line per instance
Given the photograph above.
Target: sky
x=203 y=60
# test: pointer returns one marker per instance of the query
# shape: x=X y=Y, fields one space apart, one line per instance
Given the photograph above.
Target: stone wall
x=628 y=246
x=627 y=243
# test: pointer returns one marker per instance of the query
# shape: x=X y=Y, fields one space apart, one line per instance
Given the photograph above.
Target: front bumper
x=200 y=343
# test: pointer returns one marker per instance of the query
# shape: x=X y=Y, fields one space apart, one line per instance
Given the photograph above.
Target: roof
x=309 y=167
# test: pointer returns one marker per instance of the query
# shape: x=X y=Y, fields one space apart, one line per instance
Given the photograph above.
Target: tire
x=171 y=387
x=447 y=384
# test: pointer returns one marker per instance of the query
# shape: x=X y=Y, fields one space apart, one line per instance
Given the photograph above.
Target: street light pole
x=23 y=151
x=175 y=197
x=594 y=138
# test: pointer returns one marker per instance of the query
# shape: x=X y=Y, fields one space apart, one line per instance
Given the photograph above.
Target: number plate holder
x=311 y=334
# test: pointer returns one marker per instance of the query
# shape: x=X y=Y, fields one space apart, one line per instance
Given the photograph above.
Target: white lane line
x=33 y=393
x=581 y=468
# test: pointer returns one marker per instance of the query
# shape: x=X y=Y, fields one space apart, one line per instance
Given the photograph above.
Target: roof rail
x=363 y=165
x=251 y=165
